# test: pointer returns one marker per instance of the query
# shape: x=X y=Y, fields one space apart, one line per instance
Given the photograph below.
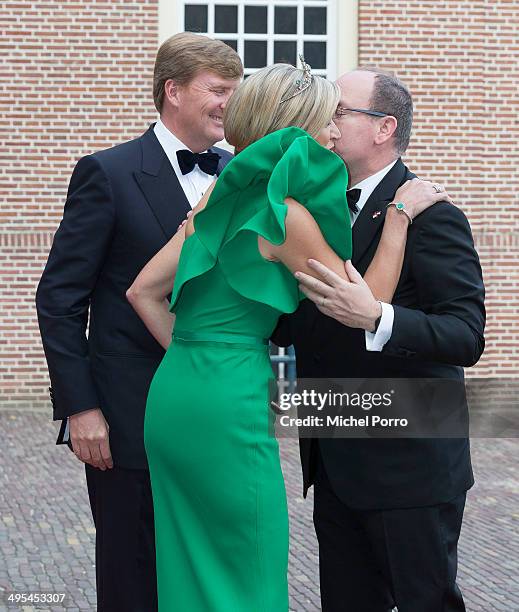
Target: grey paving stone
x=47 y=535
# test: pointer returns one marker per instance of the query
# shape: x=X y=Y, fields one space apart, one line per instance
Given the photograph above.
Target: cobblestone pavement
x=47 y=535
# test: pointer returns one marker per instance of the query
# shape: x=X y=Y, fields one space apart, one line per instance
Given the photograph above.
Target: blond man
x=123 y=206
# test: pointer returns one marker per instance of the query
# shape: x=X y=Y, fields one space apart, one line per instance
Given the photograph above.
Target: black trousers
x=122 y=509
x=372 y=560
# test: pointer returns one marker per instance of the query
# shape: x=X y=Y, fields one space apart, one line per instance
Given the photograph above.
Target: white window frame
x=270 y=36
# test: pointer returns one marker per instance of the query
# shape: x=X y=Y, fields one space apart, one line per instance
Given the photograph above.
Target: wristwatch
x=400 y=206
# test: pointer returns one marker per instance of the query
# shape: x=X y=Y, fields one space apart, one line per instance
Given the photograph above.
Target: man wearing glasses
x=388 y=512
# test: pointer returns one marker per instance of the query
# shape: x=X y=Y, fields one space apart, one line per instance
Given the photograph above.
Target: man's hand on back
x=349 y=302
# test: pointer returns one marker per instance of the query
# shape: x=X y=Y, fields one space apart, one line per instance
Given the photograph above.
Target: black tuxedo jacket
x=438 y=328
x=123 y=205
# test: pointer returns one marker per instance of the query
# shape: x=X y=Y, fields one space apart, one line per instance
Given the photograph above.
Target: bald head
x=369 y=142
x=358 y=86
x=382 y=91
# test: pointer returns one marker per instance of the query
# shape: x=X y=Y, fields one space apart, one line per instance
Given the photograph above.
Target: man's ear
x=387 y=128
x=171 y=92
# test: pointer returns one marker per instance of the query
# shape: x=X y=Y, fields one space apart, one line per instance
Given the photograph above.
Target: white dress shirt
x=196 y=182
x=375 y=341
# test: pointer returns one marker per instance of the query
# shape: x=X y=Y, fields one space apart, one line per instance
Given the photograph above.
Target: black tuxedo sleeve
x=448 y=322
x=64 y=292
x=282 y=335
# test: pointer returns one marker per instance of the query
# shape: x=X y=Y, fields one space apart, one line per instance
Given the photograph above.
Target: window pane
x=285 y=20
x=285 y=52
x=315 y=54
x=195 y=18
x=225 y=18
x=315 y=20
x=256 y=19
x=255 y=53
x=232 y=43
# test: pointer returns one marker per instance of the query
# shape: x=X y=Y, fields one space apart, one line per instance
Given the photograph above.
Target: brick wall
x=460 y=59
x=75 y=77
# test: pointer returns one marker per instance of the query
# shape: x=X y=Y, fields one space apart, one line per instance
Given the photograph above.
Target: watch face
x=400 y=206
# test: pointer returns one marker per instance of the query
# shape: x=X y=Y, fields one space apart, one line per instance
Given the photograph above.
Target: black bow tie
x=207 y=162
x=353 y=195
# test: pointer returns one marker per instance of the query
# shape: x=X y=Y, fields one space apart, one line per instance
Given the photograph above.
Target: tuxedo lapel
x=371 y=218
x=366 y=228
x=160 y=186
x=221 y=164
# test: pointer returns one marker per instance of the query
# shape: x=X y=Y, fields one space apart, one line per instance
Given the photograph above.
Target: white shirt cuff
x=375 y=341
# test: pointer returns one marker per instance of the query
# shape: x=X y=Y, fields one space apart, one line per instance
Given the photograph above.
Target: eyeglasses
x=340 y=112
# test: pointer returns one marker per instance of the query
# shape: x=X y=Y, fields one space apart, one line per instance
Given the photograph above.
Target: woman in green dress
x=221 y=518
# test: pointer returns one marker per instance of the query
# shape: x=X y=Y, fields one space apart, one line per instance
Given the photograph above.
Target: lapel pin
x=377 y=214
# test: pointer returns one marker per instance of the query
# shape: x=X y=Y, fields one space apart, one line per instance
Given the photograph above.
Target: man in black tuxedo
x=123 y=205
x=388 y=512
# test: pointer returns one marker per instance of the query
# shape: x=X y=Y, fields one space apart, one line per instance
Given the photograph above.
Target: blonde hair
x=254 y=109
x=184 y=55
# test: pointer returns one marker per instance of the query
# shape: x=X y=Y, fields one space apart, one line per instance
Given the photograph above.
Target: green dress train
x=221 y=517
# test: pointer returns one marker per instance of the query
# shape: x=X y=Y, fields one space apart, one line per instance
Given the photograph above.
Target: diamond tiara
x=304 y=82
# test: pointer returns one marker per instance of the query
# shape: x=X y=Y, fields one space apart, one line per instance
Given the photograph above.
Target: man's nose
x=225 y=100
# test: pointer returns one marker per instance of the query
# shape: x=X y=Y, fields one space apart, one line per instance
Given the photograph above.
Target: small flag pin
x=377 y=214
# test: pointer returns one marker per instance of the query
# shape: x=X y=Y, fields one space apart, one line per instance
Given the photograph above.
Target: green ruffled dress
x=221 y=517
